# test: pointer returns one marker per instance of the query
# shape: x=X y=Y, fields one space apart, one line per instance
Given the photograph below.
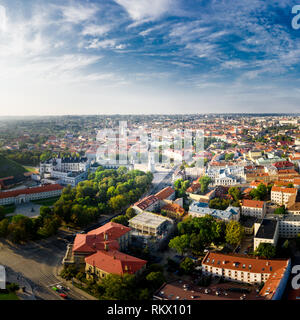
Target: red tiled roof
x=283 y=164
x=236 y=262
x=146 y=202
x=15 y=193
x=100 y=238
x=173 y=207
x=253 y=203
x=284 y=190
x=164 y=193
x=115 y=262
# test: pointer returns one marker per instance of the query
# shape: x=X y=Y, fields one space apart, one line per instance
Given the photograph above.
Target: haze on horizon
x=148 y=57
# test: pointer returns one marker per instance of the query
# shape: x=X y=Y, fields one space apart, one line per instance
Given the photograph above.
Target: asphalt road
x=38 y=263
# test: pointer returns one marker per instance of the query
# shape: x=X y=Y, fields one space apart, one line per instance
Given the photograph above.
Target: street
x=38 y=263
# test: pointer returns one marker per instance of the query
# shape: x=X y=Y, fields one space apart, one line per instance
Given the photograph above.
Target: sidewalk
x=14 y=277
x=68 y=284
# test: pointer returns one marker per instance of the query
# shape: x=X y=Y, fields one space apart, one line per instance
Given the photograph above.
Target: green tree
x=122 y=219
x=204 y=183
x=280 y=210
x=155 y=279
x=187 y=265
x=180 y=243
x=234 y=233
x=265 y=250
x=2 y=213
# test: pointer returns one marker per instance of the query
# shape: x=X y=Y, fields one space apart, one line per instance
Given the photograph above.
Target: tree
x=4 y=228
x=119 y=287
x=130 y=213
x=218 y=203
x=2 y=213
x=180 y=243
x=259 y=193
x=265 y=250
x=235 y=192
x=204 y=182
x=187 y=265
x=156 y=279
x=280 y=210
x=234 y=233
x=122 y=219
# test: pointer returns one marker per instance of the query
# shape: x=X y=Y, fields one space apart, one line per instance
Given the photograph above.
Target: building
x=289 y=226
x=173 y=210
x=248 y=224
x=253 y=208
x=150 y=203
x=149 y=229
x=198 y=210
x=266 y=232
x=103 y=263
x=2 y=278
x=283 y=196
x=65 y=164
x=25 y=195
x=65 y=171
x=98 y=252
x=273 y=273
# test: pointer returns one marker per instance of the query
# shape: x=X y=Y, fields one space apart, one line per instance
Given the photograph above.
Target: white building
x=26 y=195
x=283 y=196
x=273 y=273
x=266 y=232
x=289 y=226
x=197 y=210
x=254 y=208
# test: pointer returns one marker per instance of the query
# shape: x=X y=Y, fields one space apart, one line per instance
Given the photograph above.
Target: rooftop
x=150 y=219
x=267 y=229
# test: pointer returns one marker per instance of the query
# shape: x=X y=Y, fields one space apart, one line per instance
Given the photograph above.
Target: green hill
x=10 y=168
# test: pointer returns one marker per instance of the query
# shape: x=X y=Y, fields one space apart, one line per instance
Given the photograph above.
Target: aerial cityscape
x=149 y=151
x=169 y=222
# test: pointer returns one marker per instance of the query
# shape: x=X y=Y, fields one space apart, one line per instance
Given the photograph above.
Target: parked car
x=63 y=295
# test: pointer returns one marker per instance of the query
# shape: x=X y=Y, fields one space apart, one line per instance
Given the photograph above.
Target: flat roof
x=149 y=219
x=267 y=229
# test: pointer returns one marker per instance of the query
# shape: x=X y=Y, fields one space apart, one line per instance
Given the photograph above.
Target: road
x=38 y=264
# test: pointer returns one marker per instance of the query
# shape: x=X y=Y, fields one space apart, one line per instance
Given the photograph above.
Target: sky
x=148 y=57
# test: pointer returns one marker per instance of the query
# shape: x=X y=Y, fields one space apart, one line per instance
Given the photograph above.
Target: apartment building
x=29 y=194
x=148 y=223
x=273 y=273
x=253 y=208
x=283 y=196
x=198 y=210
x=102 y=263
x=266 y=231
x=289 y=226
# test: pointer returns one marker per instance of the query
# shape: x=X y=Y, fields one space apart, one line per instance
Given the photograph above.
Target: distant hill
x=10 y=168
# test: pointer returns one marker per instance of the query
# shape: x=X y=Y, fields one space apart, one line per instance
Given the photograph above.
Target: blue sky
x=148 y=56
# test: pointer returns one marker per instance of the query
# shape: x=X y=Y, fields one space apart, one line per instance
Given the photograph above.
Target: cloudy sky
x=148 y=56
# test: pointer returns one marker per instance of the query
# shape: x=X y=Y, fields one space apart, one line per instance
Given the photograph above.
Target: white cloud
x=105 y=44
x=78 y=13
x=96 y=30
x=146 y=9
x=3 y=19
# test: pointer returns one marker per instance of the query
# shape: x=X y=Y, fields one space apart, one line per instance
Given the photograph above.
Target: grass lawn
x=31 y=169
x=9 y=208
x=46 y=202
x=8 y=296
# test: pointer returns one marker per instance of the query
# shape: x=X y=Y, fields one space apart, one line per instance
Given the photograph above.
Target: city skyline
x=130 y=57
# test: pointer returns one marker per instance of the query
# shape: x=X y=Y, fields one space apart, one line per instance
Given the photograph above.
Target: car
x=245 y=252
x=54 y=288
x=63 y=295
x=60 y=287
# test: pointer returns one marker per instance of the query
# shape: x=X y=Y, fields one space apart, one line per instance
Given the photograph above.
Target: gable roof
x=115 y=262
x=101 y=238
x=165 y=193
